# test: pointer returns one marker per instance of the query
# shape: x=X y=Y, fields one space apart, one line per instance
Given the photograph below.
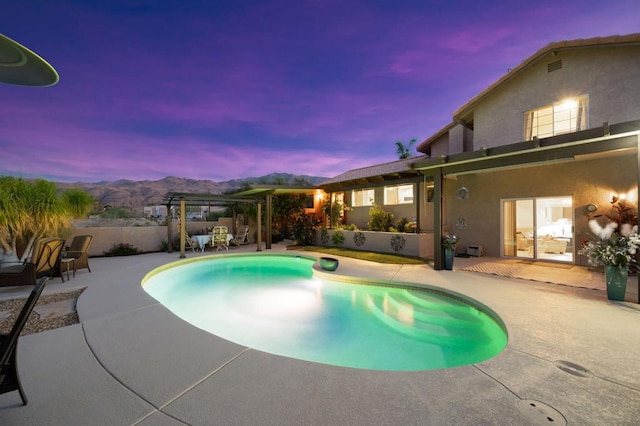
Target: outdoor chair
x=44 y=263
x=191 y=243
x=79 y=252
x=9 y=378
x=241 y=237
x=219 y=239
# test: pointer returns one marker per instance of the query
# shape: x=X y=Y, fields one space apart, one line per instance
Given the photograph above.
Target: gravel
x=10 y=309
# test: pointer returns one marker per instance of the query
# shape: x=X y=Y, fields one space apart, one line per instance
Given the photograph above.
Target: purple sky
x=230 y=89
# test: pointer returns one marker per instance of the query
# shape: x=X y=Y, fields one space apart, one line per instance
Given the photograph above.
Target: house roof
x=609 y=41
x=380 y=172
x=424 y=144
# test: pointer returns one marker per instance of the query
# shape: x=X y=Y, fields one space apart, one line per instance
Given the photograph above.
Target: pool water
x=275 y=304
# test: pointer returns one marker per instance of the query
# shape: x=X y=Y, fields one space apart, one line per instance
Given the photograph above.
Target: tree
x=404 y=151
x=78 y=202
x=30 y=210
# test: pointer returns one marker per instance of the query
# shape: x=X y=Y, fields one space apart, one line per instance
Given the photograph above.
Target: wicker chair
x=79 y=252
x=44 y=263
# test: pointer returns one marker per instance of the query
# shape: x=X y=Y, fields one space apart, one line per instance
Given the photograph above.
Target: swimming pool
x=278 y=304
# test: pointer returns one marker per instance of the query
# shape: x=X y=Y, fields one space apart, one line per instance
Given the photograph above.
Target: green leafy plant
x=337 y=238
x=379 y=219
x=450 y=242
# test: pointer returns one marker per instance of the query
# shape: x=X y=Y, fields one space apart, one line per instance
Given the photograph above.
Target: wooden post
x=268 y=221
x=259 y=221
x=438 y=255
x=169 y=230
x=183 y=225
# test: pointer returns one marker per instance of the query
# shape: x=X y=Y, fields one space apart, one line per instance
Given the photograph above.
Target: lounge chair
x=9 y=378
x=219 y=239
x=44 y=263
x=241 y=237
x=79 y=252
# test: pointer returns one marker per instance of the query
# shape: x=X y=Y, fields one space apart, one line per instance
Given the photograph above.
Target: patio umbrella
x=19 y=65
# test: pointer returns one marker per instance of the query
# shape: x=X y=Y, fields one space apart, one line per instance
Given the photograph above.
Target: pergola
x=255 y=195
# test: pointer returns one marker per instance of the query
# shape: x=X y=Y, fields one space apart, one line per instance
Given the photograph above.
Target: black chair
x=9 y=379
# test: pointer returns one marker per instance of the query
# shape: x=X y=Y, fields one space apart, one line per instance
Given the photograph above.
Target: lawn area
x=363 y=255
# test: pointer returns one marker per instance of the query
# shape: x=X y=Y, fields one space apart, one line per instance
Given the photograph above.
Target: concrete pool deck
x=132 y=362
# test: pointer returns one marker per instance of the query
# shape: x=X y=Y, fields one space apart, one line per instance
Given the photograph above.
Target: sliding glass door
x=538 y=228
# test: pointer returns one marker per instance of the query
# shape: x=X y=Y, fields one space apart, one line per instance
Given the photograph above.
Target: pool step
x=436 y=310
x=452 y=333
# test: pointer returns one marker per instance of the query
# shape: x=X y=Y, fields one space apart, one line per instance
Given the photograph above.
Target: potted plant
x=449 y=243
x=614 y=247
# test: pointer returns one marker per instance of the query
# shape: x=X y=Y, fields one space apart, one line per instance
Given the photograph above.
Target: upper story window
x=563 y=117
x=399 y=194
x=362 y=197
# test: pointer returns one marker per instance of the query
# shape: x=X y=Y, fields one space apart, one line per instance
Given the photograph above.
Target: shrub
x=304 y=230
x=122 y=249
x=379 y=220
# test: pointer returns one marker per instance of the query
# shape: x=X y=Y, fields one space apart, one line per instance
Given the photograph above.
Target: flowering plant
x=617 y=242
x=450 y=242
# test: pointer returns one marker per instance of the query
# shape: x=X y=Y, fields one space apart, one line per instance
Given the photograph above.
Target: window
x=563 y=117
x=362 y=197
x=400 y=194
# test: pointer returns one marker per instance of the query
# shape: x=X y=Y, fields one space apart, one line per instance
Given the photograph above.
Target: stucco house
x=525 y=163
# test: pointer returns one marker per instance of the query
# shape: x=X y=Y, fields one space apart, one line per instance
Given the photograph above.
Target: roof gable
x=596 y=42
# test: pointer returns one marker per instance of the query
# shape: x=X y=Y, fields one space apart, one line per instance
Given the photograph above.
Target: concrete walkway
x=572 y=357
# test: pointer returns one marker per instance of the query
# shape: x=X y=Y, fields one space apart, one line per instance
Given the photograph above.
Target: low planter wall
x=418 y=245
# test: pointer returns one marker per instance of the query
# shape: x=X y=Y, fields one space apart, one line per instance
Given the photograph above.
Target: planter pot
x=329 y=263
x=616 y=278
x=449 y=254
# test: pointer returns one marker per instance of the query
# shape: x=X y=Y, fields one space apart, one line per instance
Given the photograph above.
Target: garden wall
x=143 y=238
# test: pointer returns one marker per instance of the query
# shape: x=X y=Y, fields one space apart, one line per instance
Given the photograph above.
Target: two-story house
x=525 y=163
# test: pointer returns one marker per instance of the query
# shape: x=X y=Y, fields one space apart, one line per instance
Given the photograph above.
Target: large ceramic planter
x=449 y=254
x=616 y=277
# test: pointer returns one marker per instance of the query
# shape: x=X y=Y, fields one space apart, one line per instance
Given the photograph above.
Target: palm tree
x=404 y=151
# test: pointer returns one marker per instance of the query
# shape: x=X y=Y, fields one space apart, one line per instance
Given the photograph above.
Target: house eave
x=605 y=138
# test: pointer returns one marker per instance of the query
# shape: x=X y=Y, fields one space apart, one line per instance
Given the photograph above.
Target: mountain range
x=137 y=194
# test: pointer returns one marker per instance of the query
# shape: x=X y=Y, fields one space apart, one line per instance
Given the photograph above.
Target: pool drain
x=573 y=369
x=541 y=413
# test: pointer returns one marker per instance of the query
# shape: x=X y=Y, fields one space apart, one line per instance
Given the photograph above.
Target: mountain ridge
x=130 y=194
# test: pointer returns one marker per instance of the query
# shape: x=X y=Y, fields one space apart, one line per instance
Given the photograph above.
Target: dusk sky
x=231 y=89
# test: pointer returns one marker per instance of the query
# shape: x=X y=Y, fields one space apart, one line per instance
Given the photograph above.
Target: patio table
x=203 y=240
